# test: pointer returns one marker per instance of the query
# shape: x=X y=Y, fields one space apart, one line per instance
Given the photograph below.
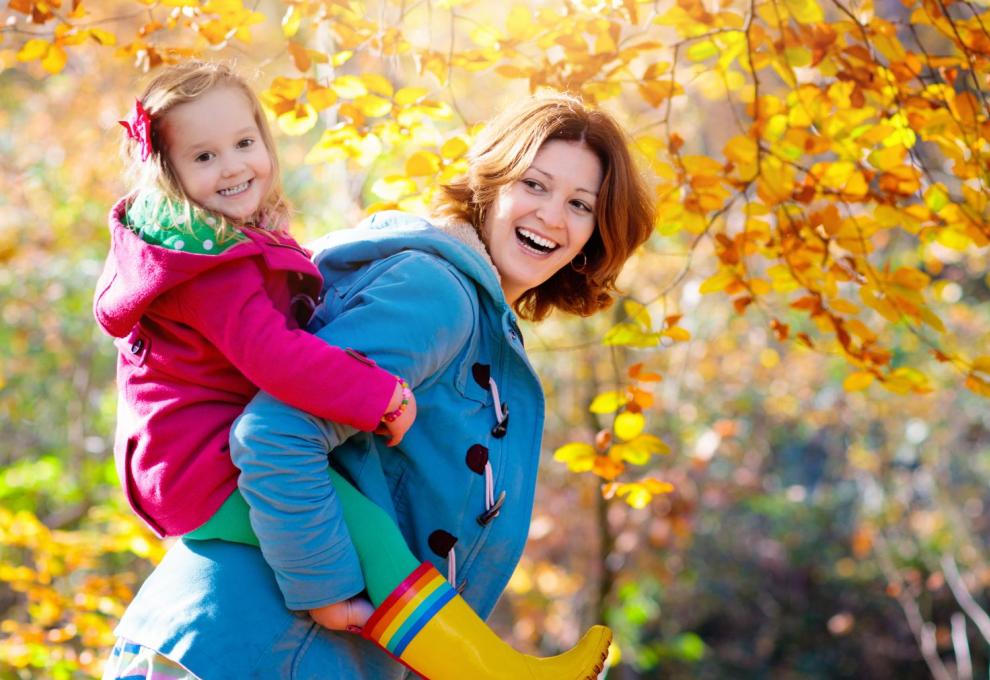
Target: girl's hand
x=350 y=615
x=397 y=429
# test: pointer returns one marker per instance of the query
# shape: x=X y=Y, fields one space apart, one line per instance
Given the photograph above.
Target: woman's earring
x=579 y=262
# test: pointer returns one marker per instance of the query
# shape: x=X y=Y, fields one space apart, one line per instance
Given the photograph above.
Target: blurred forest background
x=769 y=460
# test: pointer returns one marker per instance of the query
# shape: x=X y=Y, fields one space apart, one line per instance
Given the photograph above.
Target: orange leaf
x=299 y=56
x=858 y=381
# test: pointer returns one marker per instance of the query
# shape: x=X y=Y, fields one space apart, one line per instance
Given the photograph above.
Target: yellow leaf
x=33 y=49
x=978 y=385
x=741 y=149
x=286 y=88
x=701 y=50
x=519 y=22
x=342 y=57
x=455 y=147
x=578 y=456
x=378 y=84
x=658 y=91
x=349 y=87
x=103 y=37
x=630 y=335
x=410 y=95
x=843 y=306
x=676 y=333
x=608 y=402
x=638 y=314
x=805 y=11
x=373 y=106
x=628 y=425
x=718 y=281
x=422 y=164
x=981 y=364
x=910 y=278
x=394 y=187
x=290 y=21
x=54 y=61
x=858 y=381
x=321 y=98
x=299 y=120
x=640 y=449
x=486 y=36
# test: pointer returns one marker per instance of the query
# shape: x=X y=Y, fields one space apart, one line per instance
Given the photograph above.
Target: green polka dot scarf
x=165 y=223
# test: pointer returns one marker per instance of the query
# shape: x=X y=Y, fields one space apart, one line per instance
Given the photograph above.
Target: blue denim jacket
x=426 y=306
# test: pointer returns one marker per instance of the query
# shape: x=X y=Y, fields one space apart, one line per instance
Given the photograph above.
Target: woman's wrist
x=403 y=395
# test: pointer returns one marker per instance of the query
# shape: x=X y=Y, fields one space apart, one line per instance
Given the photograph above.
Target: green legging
x=382 y=551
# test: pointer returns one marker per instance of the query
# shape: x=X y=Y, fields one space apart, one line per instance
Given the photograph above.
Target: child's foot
x=350 y=615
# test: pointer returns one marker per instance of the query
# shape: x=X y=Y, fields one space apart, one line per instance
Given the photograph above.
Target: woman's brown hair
x=624 y=211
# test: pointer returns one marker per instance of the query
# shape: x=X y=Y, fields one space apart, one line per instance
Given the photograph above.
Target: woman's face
x=539 y=223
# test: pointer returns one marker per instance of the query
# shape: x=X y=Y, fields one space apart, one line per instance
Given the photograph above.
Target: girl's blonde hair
x=624 y=211
x=181 y=84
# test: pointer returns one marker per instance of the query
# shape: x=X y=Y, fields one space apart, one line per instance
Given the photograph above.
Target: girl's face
x=539 y=223
x=218 y=153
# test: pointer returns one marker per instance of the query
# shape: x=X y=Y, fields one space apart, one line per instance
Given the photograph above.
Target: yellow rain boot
x=428 y=627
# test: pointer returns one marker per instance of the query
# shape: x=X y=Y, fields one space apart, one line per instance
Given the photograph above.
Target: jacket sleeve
x=414 y=320
x=231 y=308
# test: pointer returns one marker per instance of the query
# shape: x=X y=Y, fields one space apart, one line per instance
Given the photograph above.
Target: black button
x=441 y=542
x=477 y=458
x=482 y=374
x=137 y=346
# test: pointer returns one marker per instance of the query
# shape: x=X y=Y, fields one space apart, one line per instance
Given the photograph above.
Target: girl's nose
x=231 y=167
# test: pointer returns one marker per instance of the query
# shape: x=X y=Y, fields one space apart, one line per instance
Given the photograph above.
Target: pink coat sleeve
x=231 y=308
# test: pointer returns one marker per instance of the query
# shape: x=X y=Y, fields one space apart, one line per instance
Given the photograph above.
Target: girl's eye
x=244 y=143
x=582 y=206
x=533 y=184
x=205 y=156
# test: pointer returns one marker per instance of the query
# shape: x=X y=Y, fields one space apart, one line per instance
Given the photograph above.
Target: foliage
x=820 y=168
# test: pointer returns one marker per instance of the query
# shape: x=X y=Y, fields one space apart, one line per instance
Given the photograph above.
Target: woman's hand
x=349 y=615
x=396 y=429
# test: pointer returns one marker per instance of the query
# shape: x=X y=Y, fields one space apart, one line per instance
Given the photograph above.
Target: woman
x=548 y=213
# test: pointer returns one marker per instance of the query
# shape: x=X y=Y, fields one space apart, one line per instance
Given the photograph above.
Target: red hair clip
x=138 y=126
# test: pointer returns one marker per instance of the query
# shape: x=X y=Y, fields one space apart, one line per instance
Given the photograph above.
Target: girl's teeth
x=230 y=191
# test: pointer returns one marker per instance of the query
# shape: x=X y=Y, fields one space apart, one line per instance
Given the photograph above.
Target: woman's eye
x=244 y=143
x=533 y=184
x=582 y=206
x=203 y=157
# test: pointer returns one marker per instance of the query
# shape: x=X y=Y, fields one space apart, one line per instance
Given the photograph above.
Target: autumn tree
x=837 y=196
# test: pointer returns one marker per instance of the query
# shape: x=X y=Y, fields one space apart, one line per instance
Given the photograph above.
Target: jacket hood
x=136 y=273
x=389 y=232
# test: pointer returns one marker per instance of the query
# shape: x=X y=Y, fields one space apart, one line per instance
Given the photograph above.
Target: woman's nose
x=552 y=213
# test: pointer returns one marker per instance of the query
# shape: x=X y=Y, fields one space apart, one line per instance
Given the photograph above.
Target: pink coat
x=198 y=336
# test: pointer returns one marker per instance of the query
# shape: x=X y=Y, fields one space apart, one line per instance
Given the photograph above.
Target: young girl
x=206 y=294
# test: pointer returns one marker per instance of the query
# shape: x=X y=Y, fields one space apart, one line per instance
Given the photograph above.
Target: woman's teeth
x=231 y=191
x=535 y=241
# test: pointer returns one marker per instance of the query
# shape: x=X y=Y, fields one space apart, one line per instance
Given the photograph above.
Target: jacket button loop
x=488 y=515
x=503 y=425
